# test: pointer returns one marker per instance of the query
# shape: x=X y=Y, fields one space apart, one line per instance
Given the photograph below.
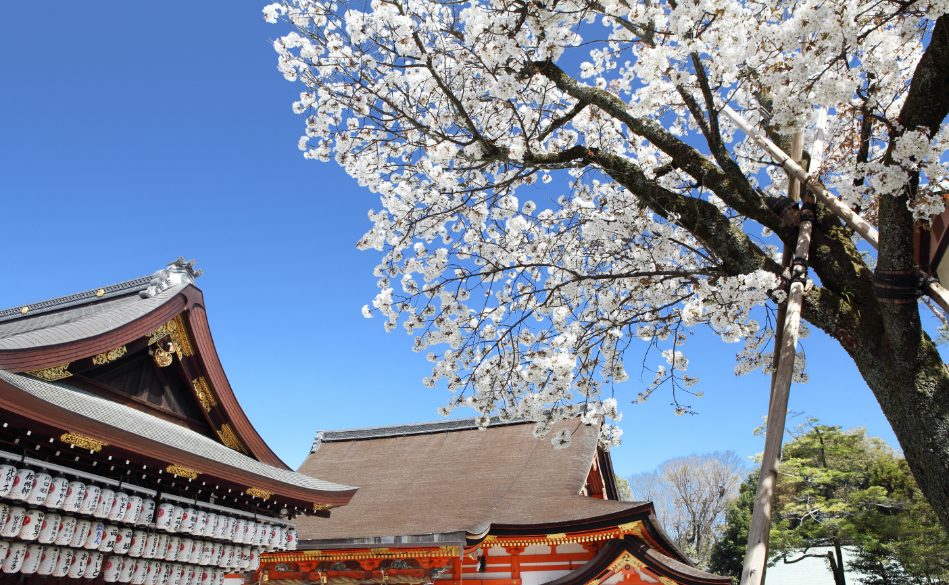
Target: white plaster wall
x=540 y=577
x=571 y=547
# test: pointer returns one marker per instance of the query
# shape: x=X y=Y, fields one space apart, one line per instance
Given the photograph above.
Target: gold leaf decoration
x=163 y=358
x=490 y=538
x=100 y=293
x=258 y=493
x=557 y=536
x=180 y=336
x=634 y=527
x=183 y=471
x=109 y=356
x=52 y=373
x=320 y=507
x=83 y=441
x=229 y=438
x=157 y=334
x=203 y=392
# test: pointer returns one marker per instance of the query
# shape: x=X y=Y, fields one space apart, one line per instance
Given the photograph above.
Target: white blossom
x=441 y=111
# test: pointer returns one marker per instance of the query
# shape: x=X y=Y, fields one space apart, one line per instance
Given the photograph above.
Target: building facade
x=447 y=503
x=124 y=454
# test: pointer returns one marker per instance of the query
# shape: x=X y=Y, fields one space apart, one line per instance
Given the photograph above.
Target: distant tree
x=692 y=495
x=843 y=488
x=625 y=492
x=728 y=554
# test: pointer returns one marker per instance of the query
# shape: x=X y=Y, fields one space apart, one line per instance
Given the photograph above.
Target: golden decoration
x=163 y=358
x=557 y=536
x=52 y=373
x=634 y=527
x=24 y=310
x=372 y=553
x=179 y=334
x=100 y=292
x=229 y=438
x=489 y=538
x=320 y=507
x=258 y=493
x=203 y=392
x=183 y=471
x=544 y=541
x=157 y=334
x=83 y=441
x=109 y=356
x=594 y=582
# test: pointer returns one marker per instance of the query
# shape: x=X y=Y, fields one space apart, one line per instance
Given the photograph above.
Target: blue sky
x=133 y=133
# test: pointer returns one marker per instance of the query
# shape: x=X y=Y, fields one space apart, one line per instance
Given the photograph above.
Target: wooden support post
x=756 y=555
x=867 y=231
x=794 y=194
x=934 y=290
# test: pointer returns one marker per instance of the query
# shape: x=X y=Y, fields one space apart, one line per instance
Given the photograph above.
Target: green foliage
x=728 y=555
x=843 y=488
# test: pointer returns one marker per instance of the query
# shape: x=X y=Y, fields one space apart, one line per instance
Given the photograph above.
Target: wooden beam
x=756 y=555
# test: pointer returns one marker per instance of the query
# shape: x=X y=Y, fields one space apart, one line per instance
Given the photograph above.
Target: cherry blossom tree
x=455 y=113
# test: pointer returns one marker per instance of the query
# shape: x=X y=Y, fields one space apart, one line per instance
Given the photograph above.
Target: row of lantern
x=77 y=497
x=61 y=562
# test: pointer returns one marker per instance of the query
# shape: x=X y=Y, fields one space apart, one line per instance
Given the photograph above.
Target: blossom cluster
x=528 y=309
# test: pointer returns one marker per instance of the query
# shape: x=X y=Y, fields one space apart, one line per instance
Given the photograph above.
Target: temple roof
x=642 y=557
x=445 y=477
x=193 y=448
x=76 y=320
x=133 y=365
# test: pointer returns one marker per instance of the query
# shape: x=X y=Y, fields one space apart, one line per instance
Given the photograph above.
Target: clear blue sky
x=133 y=133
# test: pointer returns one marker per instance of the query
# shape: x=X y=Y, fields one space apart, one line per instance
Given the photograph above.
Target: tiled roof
x=90 y=296
x=79 y=319
x=458 y=478
x=155 y=429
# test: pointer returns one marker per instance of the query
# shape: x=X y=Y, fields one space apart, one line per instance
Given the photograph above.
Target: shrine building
x=446 y=503
x=124 y=454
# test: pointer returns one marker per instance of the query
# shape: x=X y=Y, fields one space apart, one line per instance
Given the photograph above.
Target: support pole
x=756 y=555
x=794 y=194
x=859 y=225
x=934 y=290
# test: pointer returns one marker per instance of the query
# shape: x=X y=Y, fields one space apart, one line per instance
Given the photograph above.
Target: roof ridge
x=402 y=430
x=63 y=302
x=176 y=272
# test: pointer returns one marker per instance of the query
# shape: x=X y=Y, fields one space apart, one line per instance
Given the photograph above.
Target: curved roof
x=448 y=476
x=616 y=554
x=63 y=401
x=78 y=321
x=75 y=334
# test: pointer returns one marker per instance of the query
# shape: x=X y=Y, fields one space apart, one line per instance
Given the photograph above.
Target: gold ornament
x=24 y=310
x=176 y=328
x=183 y=471
x=320 y=507
x=258 y=493
x=109 y=356
x=557 y=536
x=163 y=358
x=52 y=373
x=100 y=293
x=229 y=438
x=83 y=441
x=203 y=392
x=633 y=527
